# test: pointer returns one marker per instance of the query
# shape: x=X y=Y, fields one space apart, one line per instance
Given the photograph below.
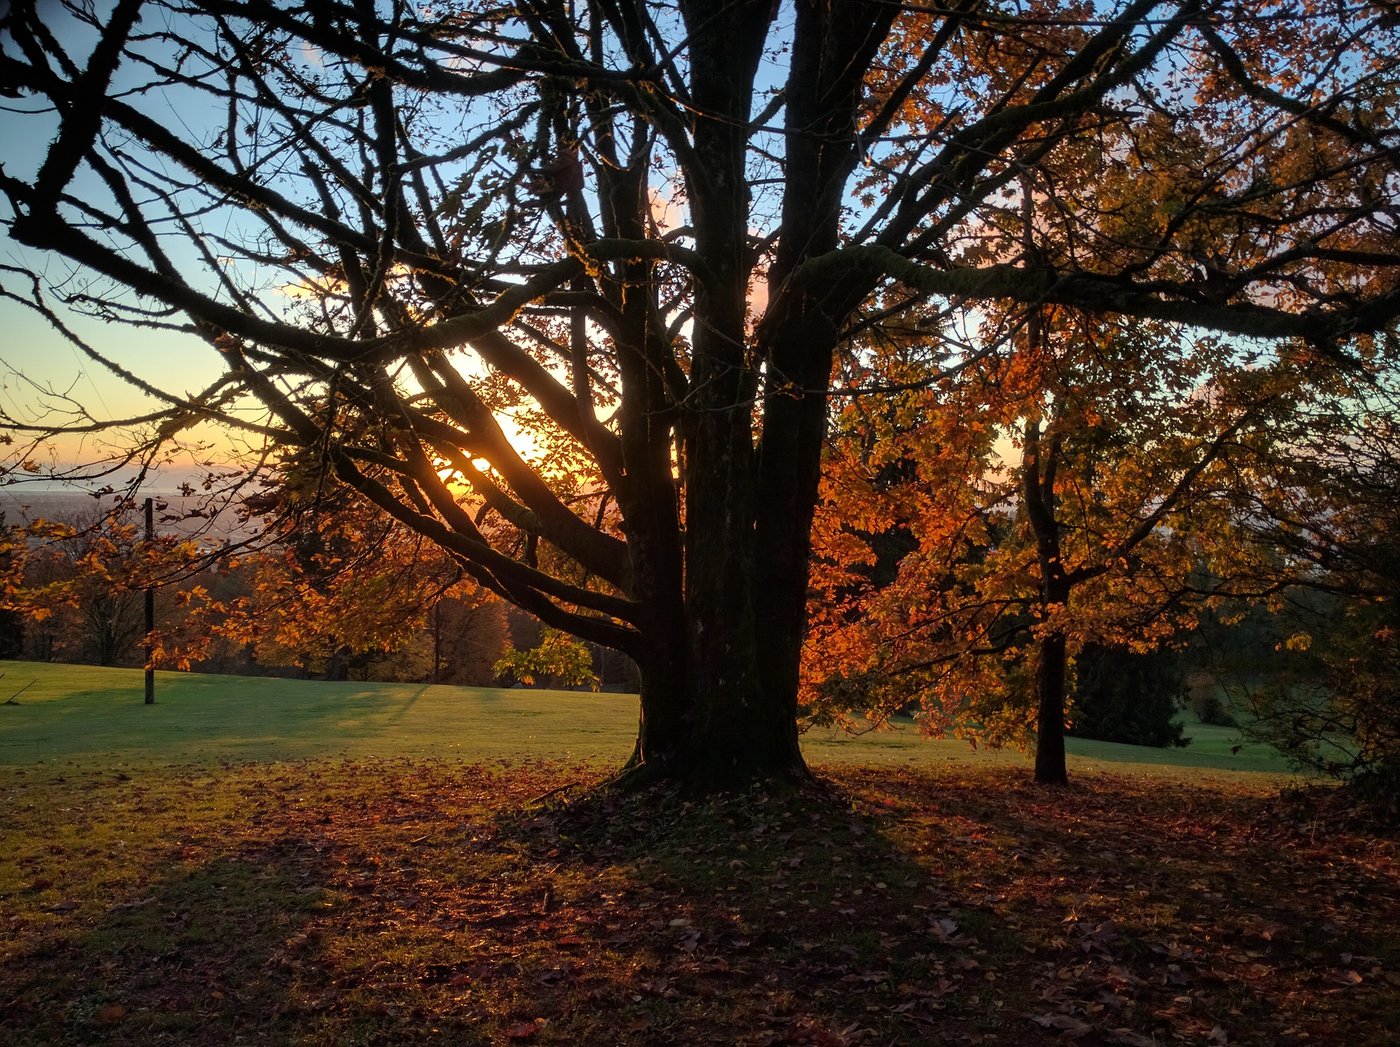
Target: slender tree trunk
x=1039 y=465
x=338 y=664
x=1050 y=713
x=106 y=643
x=437 y=642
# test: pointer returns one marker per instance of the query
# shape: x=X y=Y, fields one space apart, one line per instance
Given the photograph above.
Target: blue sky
x=36 y=360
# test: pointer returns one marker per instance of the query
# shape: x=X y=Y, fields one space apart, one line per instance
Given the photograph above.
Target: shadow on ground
x=202 y=950
x=400 y=902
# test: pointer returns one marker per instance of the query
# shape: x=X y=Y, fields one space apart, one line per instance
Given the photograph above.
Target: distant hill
x=172 y=516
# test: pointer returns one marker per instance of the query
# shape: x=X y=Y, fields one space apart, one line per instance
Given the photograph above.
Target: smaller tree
x=1057 y=488
x=467 y=632
x=1331 y=511
x=338 y=591
x=82 y=587
x=1335 y=707
x=557 y=661
x=12 y=558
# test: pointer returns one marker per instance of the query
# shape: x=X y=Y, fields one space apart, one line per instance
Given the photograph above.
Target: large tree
x=647 y=229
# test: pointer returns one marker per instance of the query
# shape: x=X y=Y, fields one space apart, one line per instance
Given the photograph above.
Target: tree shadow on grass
x=763 y=918
x=404 y=703
x=214 y=951
x=407 y=902
x=1156 y=910
x=905 y=909
x=193 y=958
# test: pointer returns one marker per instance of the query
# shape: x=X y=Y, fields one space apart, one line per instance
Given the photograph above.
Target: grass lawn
x=74 y=711
x=272 y=862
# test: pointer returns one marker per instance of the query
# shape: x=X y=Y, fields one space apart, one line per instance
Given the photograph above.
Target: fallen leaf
x=1065 y=1023
x=137 y=904
x=1133 y=1039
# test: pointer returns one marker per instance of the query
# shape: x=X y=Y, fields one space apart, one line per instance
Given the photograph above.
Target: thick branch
x=1098 y=293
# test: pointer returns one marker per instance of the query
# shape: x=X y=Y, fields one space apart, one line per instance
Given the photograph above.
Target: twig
x=542 y=797
x=11 y=699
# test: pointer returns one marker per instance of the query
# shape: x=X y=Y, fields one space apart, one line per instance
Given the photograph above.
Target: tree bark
x=1039 y=467
x=707 y=720
x=719 y=704
x=1050 y=711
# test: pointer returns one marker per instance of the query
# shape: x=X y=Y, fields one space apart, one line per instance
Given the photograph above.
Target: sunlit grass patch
x=91 y=714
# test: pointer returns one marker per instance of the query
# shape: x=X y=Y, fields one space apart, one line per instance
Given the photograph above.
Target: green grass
x=275 y=862
x=73 y=711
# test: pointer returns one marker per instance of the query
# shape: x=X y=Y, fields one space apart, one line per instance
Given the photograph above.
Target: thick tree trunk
x=724 y=629
x=1050 y=713
x=715 y=731
x=719 y=704
x=710 y=716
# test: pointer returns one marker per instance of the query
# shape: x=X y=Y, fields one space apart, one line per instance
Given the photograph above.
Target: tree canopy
x=646 y=231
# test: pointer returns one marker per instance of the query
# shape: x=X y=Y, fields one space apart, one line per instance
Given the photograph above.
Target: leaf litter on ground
x=414 y=901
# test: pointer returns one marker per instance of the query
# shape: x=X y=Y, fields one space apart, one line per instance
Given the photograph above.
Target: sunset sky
x=36 y=360
x=39 y=362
